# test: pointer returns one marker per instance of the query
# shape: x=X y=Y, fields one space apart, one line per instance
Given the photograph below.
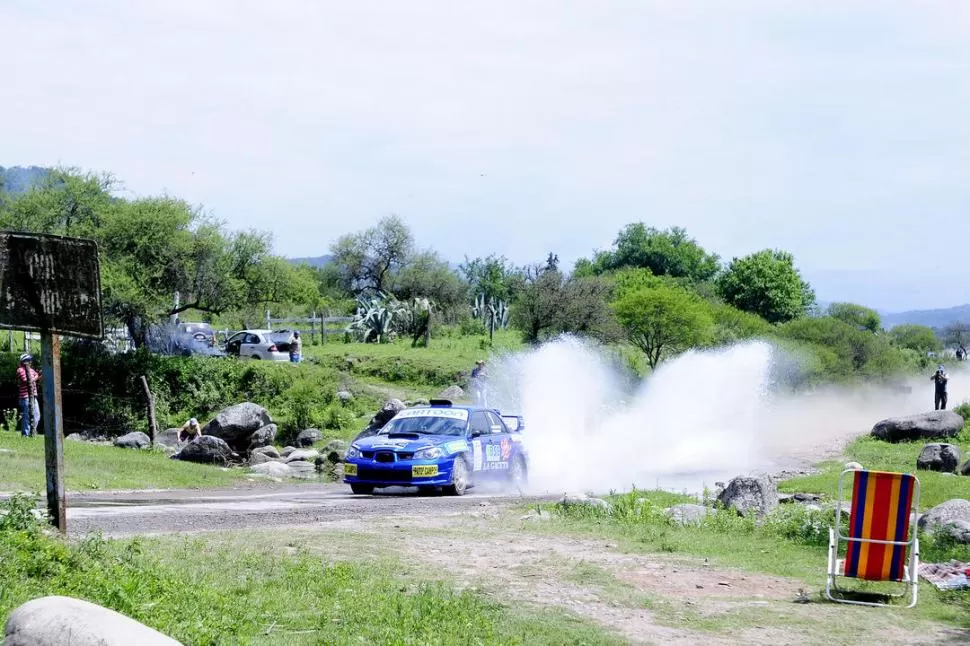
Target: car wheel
x=257 y=357
x=362 y=489
x=459 y=478
x=518 y=473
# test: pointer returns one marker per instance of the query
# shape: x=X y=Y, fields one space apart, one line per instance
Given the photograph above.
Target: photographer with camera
x=940 y=378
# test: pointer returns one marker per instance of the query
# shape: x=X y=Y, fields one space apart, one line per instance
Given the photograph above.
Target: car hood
x=410 y=442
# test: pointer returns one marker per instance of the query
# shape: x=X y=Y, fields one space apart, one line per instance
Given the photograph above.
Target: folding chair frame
x=836 y=565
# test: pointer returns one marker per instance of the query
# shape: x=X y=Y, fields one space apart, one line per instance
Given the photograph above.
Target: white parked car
x=258 y=344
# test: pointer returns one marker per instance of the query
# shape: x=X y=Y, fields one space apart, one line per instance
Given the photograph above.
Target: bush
x=800 y=524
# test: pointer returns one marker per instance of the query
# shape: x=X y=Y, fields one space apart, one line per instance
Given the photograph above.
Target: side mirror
x=475 y=434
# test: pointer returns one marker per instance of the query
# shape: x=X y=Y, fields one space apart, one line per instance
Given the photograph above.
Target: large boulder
x=135 y=440
x=390 y=408
x=302 y=469
x=750 y=496
x=274 y=469
x=934 y=425
x=345 y=396
x=207 y=450
x=270 y=451
x=452 y=393
x=939 y=457
x=262 y=437
x=952 y=516
x=237 y=424
x=965 y=469
x=308 y=437
x=169 y=437
x=687 y=514
x=49 y=621
x=260 y=458
x=302 y=454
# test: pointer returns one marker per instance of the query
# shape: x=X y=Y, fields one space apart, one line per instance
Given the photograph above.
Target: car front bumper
x=408 y=473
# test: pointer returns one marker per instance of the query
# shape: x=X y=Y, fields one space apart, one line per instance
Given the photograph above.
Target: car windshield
x=425 y=426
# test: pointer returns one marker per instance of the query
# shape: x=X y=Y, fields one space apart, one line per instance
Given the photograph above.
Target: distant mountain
x=931 y=318
x=19 y=179
x=316 y=261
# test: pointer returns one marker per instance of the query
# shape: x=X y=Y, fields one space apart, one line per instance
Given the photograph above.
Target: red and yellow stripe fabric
x=881 y=503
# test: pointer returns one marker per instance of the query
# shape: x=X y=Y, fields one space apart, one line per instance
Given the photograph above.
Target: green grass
x=878 y=455
x=792 y=542
x=96 y=467
x=236 y=588
x=447 y=360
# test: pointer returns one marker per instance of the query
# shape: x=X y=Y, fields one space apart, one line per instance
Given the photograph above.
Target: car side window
x=495 y=423
x=478 y=423
x=251 y=338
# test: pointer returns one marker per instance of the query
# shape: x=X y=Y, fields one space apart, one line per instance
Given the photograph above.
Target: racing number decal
x=493 y=453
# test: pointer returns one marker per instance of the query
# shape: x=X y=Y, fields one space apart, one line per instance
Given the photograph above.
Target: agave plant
x=492 y=312
x=375 y=318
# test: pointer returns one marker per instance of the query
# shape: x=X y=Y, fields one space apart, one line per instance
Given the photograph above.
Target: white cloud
x=835 y=131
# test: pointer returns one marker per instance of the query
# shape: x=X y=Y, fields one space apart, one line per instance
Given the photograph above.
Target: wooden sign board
x=50 y=284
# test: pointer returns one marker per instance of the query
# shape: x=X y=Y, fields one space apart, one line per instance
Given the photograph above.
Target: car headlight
x=352 y=452
x=429 y=453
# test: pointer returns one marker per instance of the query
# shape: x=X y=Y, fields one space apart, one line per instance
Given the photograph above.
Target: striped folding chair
x=880 y=533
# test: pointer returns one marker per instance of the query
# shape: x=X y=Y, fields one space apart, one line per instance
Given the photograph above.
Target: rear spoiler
x=516 y=423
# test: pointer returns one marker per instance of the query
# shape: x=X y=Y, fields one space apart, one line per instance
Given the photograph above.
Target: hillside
x=315 y=261
x=932 y=318
x=18 y=179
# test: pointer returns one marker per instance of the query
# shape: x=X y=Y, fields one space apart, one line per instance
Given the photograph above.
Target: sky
x=839 y=131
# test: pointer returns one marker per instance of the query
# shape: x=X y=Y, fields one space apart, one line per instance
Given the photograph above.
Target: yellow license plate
x=350 y=469
x=424 y=471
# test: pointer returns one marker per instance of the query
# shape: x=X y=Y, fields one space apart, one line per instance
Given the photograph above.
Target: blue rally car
x=439 y=446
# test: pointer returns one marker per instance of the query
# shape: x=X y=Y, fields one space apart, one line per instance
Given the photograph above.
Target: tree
x=663 y=321
x=957 y=335
x=862 y=317
x=494 y=276
x=920 y=338
x=426 y=275
x=670 y=252
x=766 y=283
x=370 y=259
x=552 y=304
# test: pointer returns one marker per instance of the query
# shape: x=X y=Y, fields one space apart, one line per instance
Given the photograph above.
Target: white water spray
x=702 y=417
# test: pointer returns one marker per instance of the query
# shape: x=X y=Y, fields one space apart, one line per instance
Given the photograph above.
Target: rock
x=453 y=393
x=307 y=455
x=965 y=469
x=308 y=437
x=390 y=408
x=269 y=451
x=939 y=424
x=74 y=437
x=687 y=514
x=855 y=466
x=952 y=516
x=301 y=469
x=207 y=450
x=335 y=450
x=939 y=457
x=261 y=458
x=286 y=450
x=54 y=620
x=345 y=396
x=581 y=499
x=537 y=514
x=135 y=440
x=237 y=424
x=748 y=495
x=169 y=437
x=262 y=437
x=273 y=469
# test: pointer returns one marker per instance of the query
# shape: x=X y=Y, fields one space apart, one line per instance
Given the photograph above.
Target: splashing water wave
x=704 y=416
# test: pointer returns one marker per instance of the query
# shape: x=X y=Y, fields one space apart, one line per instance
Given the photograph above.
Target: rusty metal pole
x=50 y=353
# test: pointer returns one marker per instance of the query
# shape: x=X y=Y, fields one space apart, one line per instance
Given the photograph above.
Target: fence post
x=152 y=424
x=313 y=328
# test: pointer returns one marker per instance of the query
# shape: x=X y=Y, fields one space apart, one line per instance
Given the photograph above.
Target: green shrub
x=17 y=513
x=800 y=524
